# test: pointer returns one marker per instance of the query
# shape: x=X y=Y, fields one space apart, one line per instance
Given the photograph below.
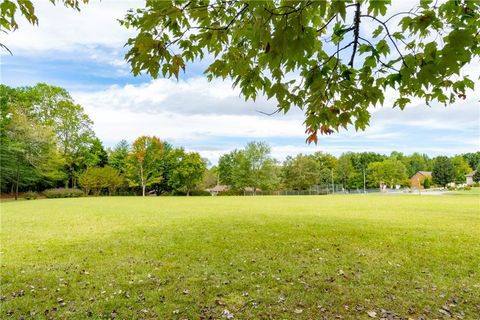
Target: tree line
x=48 y=141
x=254 y=167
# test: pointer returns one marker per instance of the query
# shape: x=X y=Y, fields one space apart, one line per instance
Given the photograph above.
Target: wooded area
x=48 y=141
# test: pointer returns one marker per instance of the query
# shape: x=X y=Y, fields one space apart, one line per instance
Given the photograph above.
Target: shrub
x=63 y=193
x=98 y=179
x=231 y=192
x=201 y=193
x=427 y=183
x=467 y=188
x=30 y=195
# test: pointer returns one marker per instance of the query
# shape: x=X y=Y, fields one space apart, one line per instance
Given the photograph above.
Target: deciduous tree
x=301 y=172
x=443 y=171
x=144 y=162
x=188 y=172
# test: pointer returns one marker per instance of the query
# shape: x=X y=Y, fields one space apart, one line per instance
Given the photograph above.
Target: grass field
x=317 y=257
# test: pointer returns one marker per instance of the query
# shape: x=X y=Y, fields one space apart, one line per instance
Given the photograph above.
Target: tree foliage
x=252 y=167
x=461 y=168
x=301 y=172
x=443 y=171
x=314 y=54
x=476 y=175
x=11 y=9
x=392 y=172
x=188 y=171
x=97 y=179
x=117 y=157
x=144 y=161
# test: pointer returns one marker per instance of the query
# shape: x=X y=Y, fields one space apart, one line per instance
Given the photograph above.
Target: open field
x=243 y=257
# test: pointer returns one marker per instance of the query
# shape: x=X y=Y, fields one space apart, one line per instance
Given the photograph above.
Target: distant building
x=217 y=189
x=417 y=179
x=251 y=190
x=469 y=178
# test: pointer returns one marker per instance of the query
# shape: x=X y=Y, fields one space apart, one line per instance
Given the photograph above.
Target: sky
x=83 y=52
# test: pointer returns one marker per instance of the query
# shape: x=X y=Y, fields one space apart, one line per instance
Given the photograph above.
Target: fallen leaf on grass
x=227 y=314
x=372 y=314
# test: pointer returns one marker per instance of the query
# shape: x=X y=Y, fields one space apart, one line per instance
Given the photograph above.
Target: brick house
x=417 y=179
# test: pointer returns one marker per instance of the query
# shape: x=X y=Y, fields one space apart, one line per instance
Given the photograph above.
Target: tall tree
x=226 y=163
x=461 y=168
x=443 y=171
x=417 y=162
x=340 y=68
x=144 y=162
x=118 y=156
x=345 y=170
x=28 y=154
x=390 y=172
x=211 y=178
x=360 y=162
x=188 y=172
x=251 y=167
x=53 y=107
x=473 y=159
x=301 y=172
x=96 y=155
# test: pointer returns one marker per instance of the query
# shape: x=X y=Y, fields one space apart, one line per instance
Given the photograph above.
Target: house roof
x=250 y=189
x=218 y=188
x=471 y=173
x=424 y=173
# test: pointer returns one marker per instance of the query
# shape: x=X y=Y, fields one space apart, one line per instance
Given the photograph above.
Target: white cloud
x=201 y=115
x=65 y=29
x=192 y=96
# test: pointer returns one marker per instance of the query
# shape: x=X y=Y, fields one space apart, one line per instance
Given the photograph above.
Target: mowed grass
x=311 y=257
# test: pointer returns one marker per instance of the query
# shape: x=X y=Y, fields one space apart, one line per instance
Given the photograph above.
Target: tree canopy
x=314 y=54
x=443 y=171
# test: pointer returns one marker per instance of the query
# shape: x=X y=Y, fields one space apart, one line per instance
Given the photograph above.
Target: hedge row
x=63 y=193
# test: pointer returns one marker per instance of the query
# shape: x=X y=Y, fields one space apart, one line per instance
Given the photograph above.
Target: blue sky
x=83 y=52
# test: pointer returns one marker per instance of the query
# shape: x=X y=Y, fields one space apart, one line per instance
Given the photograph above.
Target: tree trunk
x=188 y=193
x=17 y=178
x=143 y=190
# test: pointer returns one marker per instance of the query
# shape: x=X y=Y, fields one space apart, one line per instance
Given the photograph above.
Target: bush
x=30 y=195
x=427 y=183
x=98 y=179
x=231 y=192
x=63 y=193
x=199 y=193
x=467 y=188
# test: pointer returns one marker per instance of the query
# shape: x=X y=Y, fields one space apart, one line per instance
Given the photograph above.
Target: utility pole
x=364 y=183
x=333 y=186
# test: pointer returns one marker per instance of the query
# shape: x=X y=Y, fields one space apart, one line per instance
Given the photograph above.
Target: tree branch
x=326 y=24
x=356 y=33
x=388 y=34
x=239 y=13
x=381 y=62
x=269 y=114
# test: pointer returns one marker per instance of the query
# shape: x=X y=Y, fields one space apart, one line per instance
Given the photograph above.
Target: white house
x=469 y=178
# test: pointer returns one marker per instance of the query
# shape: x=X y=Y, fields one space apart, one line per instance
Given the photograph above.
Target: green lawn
x=311 y=257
